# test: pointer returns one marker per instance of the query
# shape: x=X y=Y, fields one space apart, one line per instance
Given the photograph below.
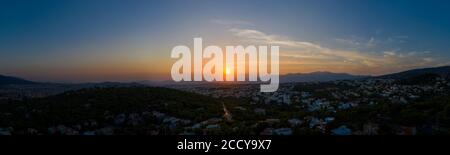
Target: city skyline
x=88 y=41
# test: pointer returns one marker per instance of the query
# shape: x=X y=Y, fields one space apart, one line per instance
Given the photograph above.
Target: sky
x=118 y=40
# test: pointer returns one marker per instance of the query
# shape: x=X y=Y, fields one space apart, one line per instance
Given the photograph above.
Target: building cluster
x=334 y=97
x=311 y=98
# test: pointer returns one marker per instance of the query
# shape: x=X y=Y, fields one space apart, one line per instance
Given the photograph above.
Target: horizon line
x=168 y=79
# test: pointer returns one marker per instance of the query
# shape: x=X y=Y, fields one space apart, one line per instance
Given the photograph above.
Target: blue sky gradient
x=117 y=40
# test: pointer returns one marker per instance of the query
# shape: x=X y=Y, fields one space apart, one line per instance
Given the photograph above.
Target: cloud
x=260 y=37
x=358 y=44
x=398 y=39
x=315 y=56
x=232 y=22
x=405 y=54
x=348 y=42
x=371 y=42
x=389 y=53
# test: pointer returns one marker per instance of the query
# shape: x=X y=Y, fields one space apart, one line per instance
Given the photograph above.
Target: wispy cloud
x=398 y=39
x=311 y=55
x=350 y=42
x=358 y=44
x=371 y=42
x=260 y=37
x=232 y=22
x=365 y=44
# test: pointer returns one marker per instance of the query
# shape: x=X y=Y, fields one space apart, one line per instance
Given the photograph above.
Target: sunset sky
x=129 y=40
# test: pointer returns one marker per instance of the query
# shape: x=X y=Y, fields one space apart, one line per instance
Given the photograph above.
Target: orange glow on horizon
x=227 y=70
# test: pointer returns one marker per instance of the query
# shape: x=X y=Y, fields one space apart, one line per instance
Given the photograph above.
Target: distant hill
x=440 y=71
x=318 y=77
x=6 y=80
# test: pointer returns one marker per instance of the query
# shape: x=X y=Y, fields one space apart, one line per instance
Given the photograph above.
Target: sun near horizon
x=227 y=70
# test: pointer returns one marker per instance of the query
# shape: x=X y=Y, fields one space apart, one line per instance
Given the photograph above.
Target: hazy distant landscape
x=234 y=76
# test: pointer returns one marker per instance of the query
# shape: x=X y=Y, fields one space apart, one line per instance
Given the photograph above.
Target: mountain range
x=4 y=80
x=443 y=71
x=318 y=77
